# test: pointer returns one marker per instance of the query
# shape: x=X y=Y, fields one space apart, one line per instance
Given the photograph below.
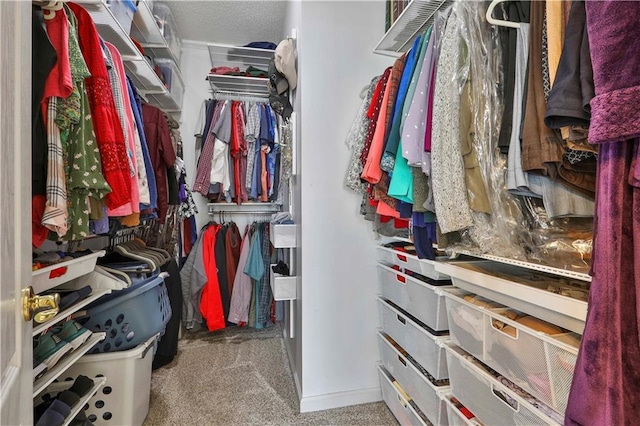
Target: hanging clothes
x=158 y=139
x=242 y=285
x=109 y=135
x=605 y=388
x=210 y=303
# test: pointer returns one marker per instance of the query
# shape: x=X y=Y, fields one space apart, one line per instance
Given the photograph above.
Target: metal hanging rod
x=246 y=208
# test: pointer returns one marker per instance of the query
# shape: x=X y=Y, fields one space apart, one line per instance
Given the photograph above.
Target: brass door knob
x=39 y=308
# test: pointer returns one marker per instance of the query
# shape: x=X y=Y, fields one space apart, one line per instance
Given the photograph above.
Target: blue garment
x=271 y=157
x=207 y=122
x=263 y=139
x=136 y=107
x=391 y=145
x=255 y=266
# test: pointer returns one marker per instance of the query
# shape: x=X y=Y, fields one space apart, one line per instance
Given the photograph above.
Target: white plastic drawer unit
x=423 y=392
x=283 y=287
x=403 y=260
x=522 y=289
x=283 y=236
x=487 y=398
x=59 y=273
x=542 y=364
x=397 y=403
x=421 y=344
x=415 y=296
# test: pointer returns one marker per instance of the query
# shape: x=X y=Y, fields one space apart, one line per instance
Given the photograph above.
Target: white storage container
x=456 y=418
x=404 y=260
x=401 y=409
x=283 y=236
x=124 y=400
x=466 y=323
x=123 y=11
x=168 y=28
x=425 y=394
x=423 y=346
x=489 y=400
x=539 y=363
x=522 y=289
x=414 y=296
x=54 y=275
x=170 y=75
x=282 y=286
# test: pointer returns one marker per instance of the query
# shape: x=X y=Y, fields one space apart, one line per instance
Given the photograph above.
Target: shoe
x=281 y=268
x=50 y=349
x=73 y=333
x=82 y=386
x=54 y=414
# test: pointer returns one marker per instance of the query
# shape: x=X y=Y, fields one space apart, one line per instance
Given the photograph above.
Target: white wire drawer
x=397 y=402
x=411 y=262
x=537 y=356
x=425 y=394
x=488 y=399
x=558 y=300
x=423 y=346
x=415 y=296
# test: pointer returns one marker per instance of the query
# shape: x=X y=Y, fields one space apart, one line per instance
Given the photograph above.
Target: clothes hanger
x=499 y=22
x=121 y=249
x=163 y=252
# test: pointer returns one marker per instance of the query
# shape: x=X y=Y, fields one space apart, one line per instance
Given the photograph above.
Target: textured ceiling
x=229 y=22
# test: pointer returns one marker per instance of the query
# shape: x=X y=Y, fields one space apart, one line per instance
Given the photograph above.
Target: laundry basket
x=130 y=318
x=124 y=399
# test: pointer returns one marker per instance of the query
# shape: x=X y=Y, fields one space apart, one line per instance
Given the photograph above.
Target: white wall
x=194 y=66
x=339 y=280
x=293 y=20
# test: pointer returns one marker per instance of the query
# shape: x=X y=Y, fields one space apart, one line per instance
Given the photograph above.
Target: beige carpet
x=240 y=377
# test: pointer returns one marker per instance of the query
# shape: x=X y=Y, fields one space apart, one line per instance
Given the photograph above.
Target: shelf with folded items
x=54 y=275
x=239 y=84
x=62 y=315
x=66 y=362
x=413 y=21
x=57 y=387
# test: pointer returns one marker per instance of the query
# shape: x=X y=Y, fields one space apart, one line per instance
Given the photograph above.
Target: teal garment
x=401 y=186
x=255 y=266
x=392 y=142
x=429 y=217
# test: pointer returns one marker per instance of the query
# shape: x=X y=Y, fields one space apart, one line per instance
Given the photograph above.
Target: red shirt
x=109 y=135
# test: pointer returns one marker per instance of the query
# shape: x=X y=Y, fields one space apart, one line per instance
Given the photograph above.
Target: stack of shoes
x=55 y=344
x=54 y=412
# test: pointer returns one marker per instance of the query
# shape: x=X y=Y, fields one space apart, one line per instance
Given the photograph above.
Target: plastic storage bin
x=414 y=296
x=283 y=287
x=123 y=11
x=424 y=393
x=130 y=316
x=423 y=346
x=401 y=409
x=168 y=28
x=541 y=364
x=170 y=76
x=283 y=236
x=124 y=400
x=52 y=276
x=488 y=399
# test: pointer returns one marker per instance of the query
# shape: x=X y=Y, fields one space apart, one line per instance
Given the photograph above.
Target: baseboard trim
x=292 y=364
x=340 y=399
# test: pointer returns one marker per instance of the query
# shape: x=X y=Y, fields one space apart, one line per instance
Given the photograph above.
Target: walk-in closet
x=414 y=212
